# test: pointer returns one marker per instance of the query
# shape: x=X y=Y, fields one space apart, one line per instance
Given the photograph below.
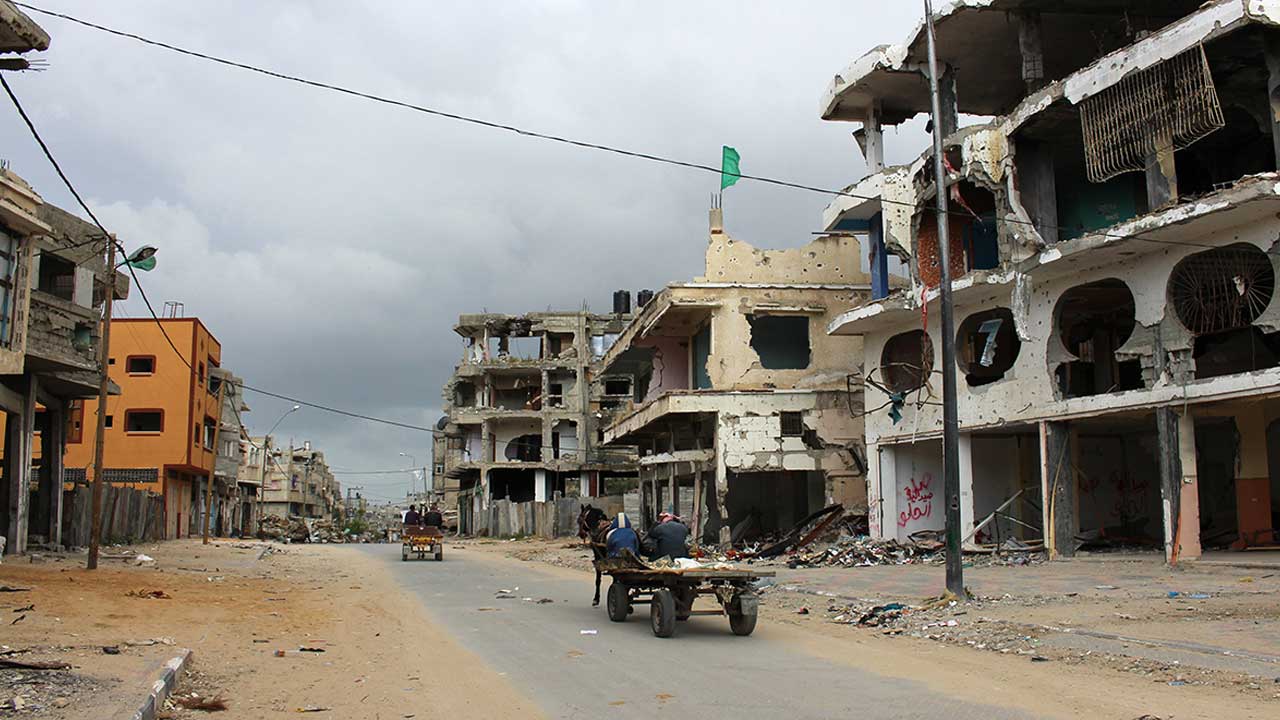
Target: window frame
x=138 y=373
x=131 y=411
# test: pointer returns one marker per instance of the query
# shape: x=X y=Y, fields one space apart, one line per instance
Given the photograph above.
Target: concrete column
x=1058 y=485
x=873 y=141
x=52 y=456
x=1170 y=464
x=539 y=485
x=1189 y=500
x=1271 y=44
x=966 y=484
x=19 y=428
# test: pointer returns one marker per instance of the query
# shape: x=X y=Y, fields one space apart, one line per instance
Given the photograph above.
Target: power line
x=548 y=136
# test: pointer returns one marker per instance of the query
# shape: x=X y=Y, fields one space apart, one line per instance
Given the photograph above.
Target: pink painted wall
x=670 y=364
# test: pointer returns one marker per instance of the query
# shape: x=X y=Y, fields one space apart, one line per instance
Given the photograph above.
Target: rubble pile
x=863 y=551
x=327 y=531
x=278 y=528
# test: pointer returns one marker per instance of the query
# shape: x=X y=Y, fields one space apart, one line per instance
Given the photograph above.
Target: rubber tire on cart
x=742 y=624
x=662 y=613
x=440 y=555
x=617 y=603
x=404 y=555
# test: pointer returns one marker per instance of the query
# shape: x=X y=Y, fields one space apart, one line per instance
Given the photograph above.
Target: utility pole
x=95 y=532
x=950 y=419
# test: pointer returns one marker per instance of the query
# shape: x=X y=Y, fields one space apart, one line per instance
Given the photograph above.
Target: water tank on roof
x=622 y=302
x=643 y=297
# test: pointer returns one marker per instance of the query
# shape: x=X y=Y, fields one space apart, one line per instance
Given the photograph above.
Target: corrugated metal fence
x=128 y=515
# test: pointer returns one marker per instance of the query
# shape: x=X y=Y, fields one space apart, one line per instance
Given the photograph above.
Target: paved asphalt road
x=704 y=672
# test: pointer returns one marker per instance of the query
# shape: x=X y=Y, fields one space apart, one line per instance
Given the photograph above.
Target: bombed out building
x=524 y=409
x=1113 y=242
x=741 y=410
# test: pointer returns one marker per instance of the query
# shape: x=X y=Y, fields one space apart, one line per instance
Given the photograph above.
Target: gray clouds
x=329 y=243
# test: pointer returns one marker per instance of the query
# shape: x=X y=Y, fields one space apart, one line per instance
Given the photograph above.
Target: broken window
x=524 y=448
x=8 y=276
x=906 y=361
x=464 y=394
x=792 y=424
x=1217 y=295
x=140 y=364
x=780 y=341
x=57 y=276
x=558 y=344
x=701 y=354
x=1094 y=321
x=210 y=433
x=564 y=440
x=143 y=421
x=617 y=386
x=987 y=346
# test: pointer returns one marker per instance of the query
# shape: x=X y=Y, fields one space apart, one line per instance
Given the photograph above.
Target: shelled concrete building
x=299 y=484
x=743 y=409
x=1113 y=249
x=524 y=407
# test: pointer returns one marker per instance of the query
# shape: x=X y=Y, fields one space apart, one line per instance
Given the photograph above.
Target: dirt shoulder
x=235 y=612
x=1032 y=643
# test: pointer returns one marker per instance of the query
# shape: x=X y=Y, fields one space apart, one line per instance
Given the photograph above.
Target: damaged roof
x=19 y=33
x=978 y=39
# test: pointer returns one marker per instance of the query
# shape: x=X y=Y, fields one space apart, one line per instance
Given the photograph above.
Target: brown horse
x=593 y=523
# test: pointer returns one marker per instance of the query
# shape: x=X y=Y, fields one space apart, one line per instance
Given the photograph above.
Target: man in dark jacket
x=433 y=518
x=669 y=538
x=412 y=517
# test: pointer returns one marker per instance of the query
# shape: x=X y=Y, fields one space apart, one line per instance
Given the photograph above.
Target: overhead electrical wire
x=547 y=136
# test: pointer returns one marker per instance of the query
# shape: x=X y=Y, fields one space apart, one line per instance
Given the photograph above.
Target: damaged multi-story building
x=741 y=408
x=524 y=408
x=1113 y=243
x=297 y=482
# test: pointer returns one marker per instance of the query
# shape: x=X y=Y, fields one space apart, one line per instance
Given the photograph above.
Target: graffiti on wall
x=918 y=506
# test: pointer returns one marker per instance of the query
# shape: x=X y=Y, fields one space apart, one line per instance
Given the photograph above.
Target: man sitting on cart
x=621 y=537
x=432 y=517
x=669 y=538
x=412 y=517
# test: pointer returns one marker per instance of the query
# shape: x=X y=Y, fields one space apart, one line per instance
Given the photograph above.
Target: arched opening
x=987 y=346
x=1093 y=321
x=906 y=361
x=1217 y=295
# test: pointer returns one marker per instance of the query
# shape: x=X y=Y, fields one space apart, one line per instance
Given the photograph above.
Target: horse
x=592 y=527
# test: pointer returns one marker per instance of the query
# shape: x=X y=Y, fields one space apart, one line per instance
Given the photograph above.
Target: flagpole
x=950 y=419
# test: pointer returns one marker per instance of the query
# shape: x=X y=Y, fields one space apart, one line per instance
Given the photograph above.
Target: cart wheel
x=404 y=555
x=617 y=603
x=662 y=613
x=743 y=624
x=440 y=556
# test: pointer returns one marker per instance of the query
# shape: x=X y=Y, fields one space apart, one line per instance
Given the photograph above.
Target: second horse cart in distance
x=670 y=593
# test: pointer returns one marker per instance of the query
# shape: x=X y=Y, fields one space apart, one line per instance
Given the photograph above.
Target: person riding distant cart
x=433 y=518
x=669 y=538
x=412 y=517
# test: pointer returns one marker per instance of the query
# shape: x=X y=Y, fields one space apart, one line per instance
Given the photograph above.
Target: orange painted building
x=162 y=427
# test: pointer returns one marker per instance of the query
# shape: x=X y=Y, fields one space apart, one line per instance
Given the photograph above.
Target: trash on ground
x=149 y=594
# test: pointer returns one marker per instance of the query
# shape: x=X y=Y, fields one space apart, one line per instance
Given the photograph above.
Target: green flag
x=729 y=173
x=148 y=264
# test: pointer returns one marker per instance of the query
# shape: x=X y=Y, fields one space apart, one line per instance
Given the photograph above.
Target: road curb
x=162 y=687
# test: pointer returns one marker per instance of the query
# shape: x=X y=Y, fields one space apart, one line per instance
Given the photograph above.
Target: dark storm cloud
x=330 y=243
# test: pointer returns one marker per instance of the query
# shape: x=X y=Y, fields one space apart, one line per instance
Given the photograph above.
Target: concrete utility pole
x=95 y=532
x=950 y=419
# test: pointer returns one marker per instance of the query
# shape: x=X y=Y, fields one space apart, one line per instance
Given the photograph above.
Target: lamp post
x=266 y=457
x=413 y=482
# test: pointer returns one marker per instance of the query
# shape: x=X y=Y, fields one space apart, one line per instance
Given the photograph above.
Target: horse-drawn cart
x=670 y=593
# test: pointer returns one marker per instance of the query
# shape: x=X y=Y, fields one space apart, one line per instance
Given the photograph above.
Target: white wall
x=918 y=489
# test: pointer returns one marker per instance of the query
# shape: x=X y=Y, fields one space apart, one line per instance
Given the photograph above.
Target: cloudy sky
x=330 y=243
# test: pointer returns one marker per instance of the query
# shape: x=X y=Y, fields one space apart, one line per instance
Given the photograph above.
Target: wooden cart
x=419 y=541
x=670 y=593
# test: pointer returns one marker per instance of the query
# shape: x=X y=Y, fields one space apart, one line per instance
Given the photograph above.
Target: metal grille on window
x=8 y=265
x=1168 y=106
x=1222 y=289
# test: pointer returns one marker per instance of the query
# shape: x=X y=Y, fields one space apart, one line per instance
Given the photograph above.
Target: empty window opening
x=1094 y=321
x=558 y=345
x=987 y=346
x=464 y=394
x=143 y=421
x=701 y=351
x=513 y=485
x=555 y=394
x=564 y=440
x=524 y=448
x=906 y=361
x=140 y=364
x=560 y=384
x=517 y=393
x=780 y=341
x=617 y=387
x=792 y=424
x=210 y=433
x=515 y=347
x=57 y=276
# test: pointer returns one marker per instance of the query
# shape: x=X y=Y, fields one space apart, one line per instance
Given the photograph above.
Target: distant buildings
x=299 y=483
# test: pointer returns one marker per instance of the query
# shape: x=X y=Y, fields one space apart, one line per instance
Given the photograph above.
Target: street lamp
x=287 y=413
x=413 y=482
